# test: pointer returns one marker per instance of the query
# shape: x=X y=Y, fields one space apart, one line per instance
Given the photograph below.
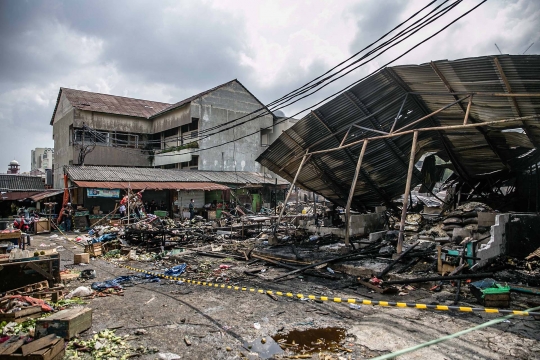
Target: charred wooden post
x=290 y=191
x=406 y=194
x=467 y=111
x=351 y=194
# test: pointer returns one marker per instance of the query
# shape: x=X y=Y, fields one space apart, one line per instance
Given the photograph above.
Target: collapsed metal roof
x=409 y=93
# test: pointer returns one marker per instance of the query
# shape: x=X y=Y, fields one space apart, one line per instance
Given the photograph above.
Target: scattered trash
x=168 y=356
x=355 y=306
x=81 y=291
x=257 y=326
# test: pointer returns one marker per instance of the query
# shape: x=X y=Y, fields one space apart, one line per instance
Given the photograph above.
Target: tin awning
x=152 y=185
x=45 y=194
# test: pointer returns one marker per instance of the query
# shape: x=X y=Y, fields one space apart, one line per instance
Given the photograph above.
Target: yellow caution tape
x=337 y=299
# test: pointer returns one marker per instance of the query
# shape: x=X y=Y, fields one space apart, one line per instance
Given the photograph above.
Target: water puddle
x=312 y=341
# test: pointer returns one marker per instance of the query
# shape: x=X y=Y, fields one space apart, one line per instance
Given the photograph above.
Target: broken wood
x=406 y=193
x=287 y=266
x=391 y=265
x=319 y=263
x=38 y=344
x=220 y=255
x=351 y=194
x=439 y=278
x=11 y=345
x=389 y=290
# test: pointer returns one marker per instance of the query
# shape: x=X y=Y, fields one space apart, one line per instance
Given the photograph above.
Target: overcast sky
x=169 y=50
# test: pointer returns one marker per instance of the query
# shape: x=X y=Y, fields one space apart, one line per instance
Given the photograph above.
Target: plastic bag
x=176 y=270
x=81 y=291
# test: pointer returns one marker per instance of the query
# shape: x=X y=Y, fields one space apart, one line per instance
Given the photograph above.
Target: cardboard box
x=65 y=323
x=95 y=210
x=81 y=258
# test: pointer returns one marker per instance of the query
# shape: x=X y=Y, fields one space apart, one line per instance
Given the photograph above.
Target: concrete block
x=497 y=242
x=376 y=236
x=380 y=209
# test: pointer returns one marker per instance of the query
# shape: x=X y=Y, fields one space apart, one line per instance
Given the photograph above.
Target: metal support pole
x=406 y=194
x=290 y=191
x=468 y=111
x=351 y=194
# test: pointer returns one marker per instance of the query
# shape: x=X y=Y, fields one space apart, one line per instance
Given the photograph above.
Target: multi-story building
x=41 y=159
x=195 y=133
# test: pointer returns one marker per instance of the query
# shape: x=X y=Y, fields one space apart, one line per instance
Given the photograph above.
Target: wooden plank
x=37 y=344
x=378 y=289
x=38 y=269
x=29 y=288
x=56 y=351
x=10 y=346
x=23 y=312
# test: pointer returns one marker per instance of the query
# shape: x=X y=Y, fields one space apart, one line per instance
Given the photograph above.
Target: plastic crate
x=161 y=213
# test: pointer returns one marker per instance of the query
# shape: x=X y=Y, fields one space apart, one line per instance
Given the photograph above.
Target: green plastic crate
x=161 y=213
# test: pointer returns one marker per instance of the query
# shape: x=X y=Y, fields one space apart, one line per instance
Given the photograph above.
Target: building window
x=265 y=137
x=93 y=137
x=171 y=132
x=191 y=165
x=189 y=132
x=125 y=140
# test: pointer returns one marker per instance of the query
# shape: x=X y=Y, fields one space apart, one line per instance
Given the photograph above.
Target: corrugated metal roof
x=152 y=185
x=112 y=104
x=130 y=174
x=473 y=152
x=45 y=194
x=21 y=183
x=17 y=195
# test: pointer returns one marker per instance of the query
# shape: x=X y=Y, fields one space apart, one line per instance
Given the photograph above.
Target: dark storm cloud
x=185 y=45
x=153 y=43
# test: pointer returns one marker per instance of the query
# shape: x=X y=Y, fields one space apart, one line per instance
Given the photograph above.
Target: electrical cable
x=288 y=96
x=404 y=32
x=342 y=90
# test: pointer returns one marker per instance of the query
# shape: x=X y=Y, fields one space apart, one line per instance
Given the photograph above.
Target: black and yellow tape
x=337 y=299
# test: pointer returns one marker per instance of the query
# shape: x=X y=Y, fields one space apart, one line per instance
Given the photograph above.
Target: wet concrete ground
x=219 y=322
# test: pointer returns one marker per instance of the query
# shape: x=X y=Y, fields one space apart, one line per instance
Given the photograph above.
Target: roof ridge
x=191 y=98
x=119 y=96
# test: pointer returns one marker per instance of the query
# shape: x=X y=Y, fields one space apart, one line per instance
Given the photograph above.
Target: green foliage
x=191 y=145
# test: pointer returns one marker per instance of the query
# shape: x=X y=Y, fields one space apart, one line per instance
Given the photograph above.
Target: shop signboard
x=104 y=193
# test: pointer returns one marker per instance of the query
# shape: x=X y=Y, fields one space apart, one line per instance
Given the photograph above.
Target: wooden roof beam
x=526 y=127
x=484 y=133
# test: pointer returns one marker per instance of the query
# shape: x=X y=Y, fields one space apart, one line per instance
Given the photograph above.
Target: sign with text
x=104 y=193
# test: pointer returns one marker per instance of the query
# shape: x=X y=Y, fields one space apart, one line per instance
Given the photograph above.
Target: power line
x=344 y=89
x=410 y=29
x=265 y=111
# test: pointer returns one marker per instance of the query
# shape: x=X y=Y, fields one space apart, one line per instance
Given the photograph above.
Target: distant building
x=13 y=167
x=41 y=159
x=141 y=133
